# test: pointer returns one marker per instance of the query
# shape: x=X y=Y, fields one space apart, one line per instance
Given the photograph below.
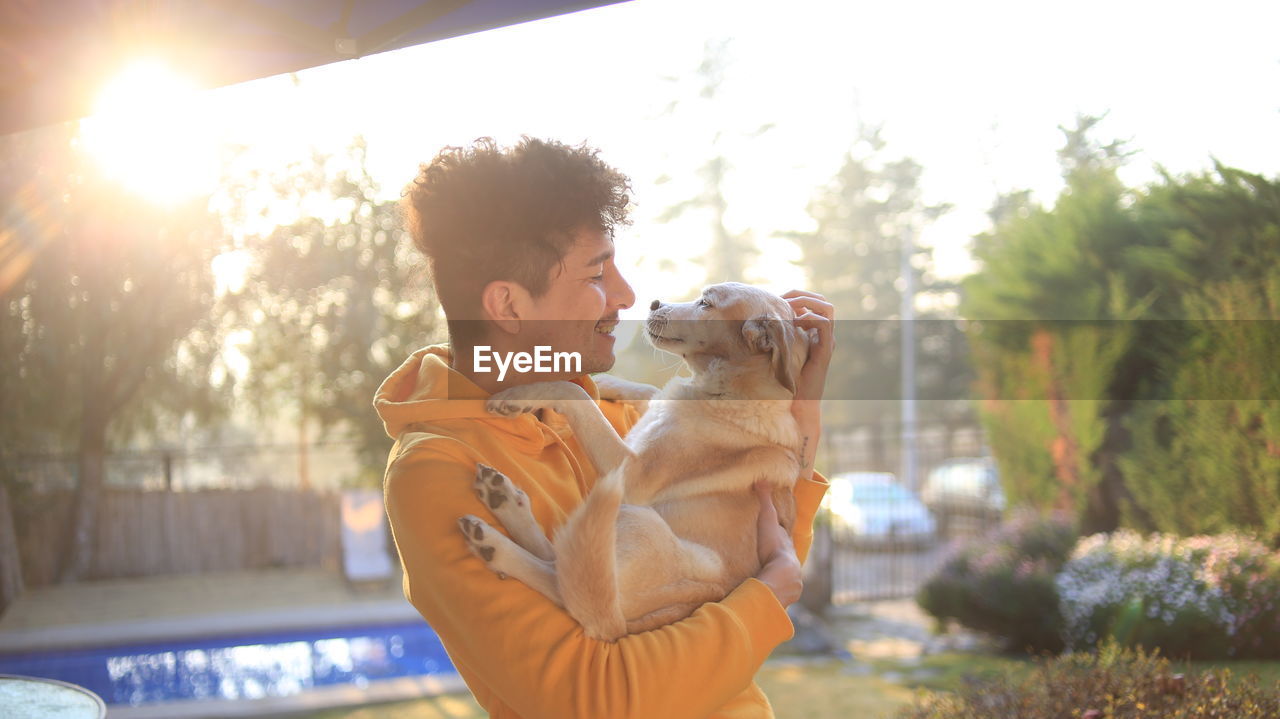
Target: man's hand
x=779 y=567
x=812 y=312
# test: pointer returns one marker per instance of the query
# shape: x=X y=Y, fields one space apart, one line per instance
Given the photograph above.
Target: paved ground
x=202 y=605
x=193 y=605
x=196 y=605
x=895 y=629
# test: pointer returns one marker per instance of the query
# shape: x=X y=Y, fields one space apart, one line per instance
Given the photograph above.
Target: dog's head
x=736 y=338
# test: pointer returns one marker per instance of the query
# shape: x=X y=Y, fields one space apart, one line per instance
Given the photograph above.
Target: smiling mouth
x=607 y=326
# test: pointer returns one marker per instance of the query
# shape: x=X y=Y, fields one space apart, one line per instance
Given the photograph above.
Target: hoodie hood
x=425 y=390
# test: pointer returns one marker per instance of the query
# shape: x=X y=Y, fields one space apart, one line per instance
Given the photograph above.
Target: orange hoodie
x=521 y=655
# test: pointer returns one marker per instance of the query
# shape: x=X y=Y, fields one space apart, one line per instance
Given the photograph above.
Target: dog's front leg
x=602 y=444
x=508 y=559
x=636 y=394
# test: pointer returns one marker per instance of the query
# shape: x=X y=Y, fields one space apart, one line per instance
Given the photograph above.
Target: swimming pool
x=248 y=666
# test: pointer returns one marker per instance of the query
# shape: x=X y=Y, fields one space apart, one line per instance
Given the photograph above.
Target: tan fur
x=671 y=524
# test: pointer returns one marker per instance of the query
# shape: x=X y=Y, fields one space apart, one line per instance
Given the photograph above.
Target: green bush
x=1202 y=597
x=1114 y=683
x=1209 y=461
x=1003 y=583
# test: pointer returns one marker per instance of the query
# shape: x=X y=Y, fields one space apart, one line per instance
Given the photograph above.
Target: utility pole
x=908 y=315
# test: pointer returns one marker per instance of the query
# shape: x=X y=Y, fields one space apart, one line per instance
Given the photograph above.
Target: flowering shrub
x=1109 y=684
x=1003 y=583
x=1204 y=597
x=1248 y=574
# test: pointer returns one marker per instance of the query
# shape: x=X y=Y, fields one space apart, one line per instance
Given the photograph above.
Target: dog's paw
x=622 y=390
x=524 y=398
x=479 y=538
x=534 y=396
x=496 y=491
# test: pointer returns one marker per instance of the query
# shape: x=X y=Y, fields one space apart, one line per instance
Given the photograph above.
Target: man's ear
x=503 y=303
x=768 y=333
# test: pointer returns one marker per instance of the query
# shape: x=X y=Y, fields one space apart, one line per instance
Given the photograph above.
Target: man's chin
x=593 y=365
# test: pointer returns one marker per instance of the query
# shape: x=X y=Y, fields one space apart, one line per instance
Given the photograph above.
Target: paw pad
x=473 y=531
x=494 y=489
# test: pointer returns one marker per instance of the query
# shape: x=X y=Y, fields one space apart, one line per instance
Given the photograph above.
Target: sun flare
x=153 y=131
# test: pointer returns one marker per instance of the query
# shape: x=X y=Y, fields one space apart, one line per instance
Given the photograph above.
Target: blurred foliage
x=334 y=304
x=854 y=257
x=106 y=318
x=114 y=300
x=697 y=111
x=1047 y=276
x=115 y=326
x=730 y=254
x=1113 y=683
x=1207 y=459
x=1096 y=335
x=1003 y=583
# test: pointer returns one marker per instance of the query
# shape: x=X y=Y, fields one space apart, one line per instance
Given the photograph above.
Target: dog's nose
x=654 y=305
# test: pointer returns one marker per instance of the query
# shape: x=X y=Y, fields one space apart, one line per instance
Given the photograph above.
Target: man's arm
x=532 y=655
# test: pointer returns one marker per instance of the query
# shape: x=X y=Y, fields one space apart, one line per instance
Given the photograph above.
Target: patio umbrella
x=55 y=56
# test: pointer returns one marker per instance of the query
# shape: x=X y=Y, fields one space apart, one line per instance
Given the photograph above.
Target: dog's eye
x=702 y=303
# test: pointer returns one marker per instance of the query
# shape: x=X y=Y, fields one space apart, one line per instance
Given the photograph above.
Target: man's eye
x=598 y=278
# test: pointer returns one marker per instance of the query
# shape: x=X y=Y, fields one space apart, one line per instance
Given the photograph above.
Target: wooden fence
x=146 y=532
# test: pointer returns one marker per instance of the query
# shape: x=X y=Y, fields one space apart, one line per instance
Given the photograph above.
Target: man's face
x=579 y=310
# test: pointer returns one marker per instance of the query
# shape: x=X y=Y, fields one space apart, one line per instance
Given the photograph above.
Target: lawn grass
x=1268 y=673
x=830 y=689
x=444 y=706
x=809 y=691
x=822 y=689
x=947 y=671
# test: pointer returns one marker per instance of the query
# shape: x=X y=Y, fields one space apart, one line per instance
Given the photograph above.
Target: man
x=520 y=245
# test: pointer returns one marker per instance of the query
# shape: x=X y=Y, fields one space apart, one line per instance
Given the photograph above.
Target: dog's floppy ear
x=768 y=333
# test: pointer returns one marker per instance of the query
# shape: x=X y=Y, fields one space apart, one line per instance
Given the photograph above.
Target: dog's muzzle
x=656 y=323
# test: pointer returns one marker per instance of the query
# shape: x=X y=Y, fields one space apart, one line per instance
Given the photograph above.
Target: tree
x=730 y=254
x=854 y=257
x=108 y=326
x=334 y=304
x=699 y=111
x=1205 y=451
x=1099 y=329
x=1047 y=354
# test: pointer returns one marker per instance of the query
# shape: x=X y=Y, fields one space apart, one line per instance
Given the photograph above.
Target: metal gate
x=877 y=537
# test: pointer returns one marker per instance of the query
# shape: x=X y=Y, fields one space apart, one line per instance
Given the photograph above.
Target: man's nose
x=654 y=305
x=620 y=293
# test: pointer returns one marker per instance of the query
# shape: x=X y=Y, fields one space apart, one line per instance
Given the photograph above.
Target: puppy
x=671 y=523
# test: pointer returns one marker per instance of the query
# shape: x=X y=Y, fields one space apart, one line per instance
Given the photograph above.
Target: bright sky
x=973 y=91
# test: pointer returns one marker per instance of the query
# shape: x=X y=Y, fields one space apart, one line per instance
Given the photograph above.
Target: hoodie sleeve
x=517 y=649
x=809 y=492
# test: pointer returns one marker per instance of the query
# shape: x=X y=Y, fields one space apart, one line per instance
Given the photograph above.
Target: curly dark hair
x=485 y=213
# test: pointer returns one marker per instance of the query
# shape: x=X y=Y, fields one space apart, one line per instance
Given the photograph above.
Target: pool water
x=249 y=666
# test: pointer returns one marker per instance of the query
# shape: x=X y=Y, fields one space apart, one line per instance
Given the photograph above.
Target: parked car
x=872 y=509
x=964 y=488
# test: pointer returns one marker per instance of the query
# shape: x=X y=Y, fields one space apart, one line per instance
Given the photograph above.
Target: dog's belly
x=725 y=523
x=664 y=575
